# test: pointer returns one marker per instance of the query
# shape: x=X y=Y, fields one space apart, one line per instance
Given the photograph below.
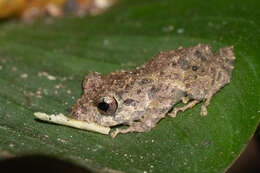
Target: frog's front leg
x=207 y=102
x=156 y=110
x=134 y=127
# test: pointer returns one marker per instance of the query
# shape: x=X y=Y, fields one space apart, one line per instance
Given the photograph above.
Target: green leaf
x=128 y=35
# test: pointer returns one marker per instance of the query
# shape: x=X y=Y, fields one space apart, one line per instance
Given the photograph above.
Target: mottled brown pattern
x=145 y=95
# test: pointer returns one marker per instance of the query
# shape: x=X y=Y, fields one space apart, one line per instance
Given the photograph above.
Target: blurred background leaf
x=42 y=65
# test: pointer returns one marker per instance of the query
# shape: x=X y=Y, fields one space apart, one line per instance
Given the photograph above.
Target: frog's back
x=195 y=70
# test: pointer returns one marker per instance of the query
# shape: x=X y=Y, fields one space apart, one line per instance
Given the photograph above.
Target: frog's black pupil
x=194 y=68
x=103 y=106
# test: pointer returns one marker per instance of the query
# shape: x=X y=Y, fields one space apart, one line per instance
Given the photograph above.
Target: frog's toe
x=204 y=111
x=114 y=133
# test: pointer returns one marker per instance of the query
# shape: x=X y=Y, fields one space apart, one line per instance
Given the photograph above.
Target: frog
x=140 y=98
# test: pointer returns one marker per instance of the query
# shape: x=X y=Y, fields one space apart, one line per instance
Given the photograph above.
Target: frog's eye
x=107 y=105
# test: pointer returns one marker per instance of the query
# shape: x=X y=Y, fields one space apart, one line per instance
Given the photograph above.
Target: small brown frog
x=140 y=98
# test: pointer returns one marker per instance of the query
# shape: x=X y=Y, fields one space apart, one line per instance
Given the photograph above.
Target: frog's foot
x=184 y=108
x=134 y=127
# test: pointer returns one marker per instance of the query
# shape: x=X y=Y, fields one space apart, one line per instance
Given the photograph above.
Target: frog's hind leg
x=184 y=108
x=191 y=104
x=207 y=102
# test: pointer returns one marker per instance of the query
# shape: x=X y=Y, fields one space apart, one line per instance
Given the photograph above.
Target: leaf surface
x=124 y=37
